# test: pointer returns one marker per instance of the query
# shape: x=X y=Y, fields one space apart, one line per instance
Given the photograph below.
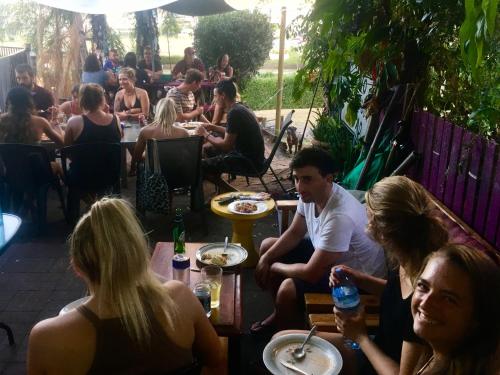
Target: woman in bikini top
x=130 y=102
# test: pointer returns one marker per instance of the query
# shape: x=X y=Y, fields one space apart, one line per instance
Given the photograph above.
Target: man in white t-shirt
x=335 y=222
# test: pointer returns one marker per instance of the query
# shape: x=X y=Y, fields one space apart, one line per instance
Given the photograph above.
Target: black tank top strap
x=90 y=315
x=86 y=121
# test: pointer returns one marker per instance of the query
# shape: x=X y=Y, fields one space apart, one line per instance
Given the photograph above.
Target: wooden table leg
x=242 y=233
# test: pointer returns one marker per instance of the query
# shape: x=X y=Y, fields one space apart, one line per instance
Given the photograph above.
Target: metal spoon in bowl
x=299 y=353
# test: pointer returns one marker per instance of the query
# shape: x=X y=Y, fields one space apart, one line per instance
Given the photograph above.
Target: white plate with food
x=322 y=358
x=214 y=254
x=247 y=207
x=73 y=305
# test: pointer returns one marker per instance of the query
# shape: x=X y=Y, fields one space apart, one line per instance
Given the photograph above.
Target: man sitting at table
x=146 y=63
x=112 y=62
x=242 y=139
x=335 y=223
x=184 y=98
x=42 y=98
x=189 y=62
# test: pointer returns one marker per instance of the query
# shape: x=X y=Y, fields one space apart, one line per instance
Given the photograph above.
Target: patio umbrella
x=103 y=7
x=198 y=8
x=185 y=7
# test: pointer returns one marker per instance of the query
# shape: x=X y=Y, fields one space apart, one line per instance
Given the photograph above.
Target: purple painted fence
x=462 y=170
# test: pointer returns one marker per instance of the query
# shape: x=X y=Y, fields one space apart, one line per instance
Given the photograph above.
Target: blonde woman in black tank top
x=132 y=323
x=130 y=102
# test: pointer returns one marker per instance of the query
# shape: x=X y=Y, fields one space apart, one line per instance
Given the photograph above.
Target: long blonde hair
x=402 y=220
x=165 y=115
x=109 y=247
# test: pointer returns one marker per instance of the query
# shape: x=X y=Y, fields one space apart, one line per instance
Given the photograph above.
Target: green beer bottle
x=179 y=233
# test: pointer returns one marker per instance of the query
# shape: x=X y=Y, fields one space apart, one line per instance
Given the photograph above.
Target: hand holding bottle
x=352 y=274
x=346 y=298
x=351 y=324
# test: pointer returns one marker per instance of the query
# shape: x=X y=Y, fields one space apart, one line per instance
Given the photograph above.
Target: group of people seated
x=436 y=312
x=438 y=307
x=32 y=113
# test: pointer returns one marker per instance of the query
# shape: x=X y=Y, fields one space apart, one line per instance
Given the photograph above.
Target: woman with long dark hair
x=94 y=73
x=20 y=125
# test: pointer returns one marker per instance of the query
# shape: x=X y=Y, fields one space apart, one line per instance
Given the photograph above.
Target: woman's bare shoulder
x=179 y=291
x=75 y=120
x=141 y=91
x=63 y=327
x=62 y=344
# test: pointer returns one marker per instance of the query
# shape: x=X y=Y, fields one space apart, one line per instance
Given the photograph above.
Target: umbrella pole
x=168 y=49
x=279 y=97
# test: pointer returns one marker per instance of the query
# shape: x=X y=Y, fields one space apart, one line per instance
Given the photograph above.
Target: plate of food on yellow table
x=247 y=207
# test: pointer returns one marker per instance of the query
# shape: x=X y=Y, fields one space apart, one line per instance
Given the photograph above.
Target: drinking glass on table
x=212 y=275
x=203 y=292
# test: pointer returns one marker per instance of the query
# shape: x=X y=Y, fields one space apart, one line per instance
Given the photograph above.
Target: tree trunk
x=99 y=33
x=146 y=31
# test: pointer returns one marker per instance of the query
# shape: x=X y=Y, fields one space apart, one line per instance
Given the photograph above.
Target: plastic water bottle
x=346 y=298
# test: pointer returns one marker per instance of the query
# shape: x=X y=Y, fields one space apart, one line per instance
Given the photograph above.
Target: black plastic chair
x=93 y=168
x=25 y=176
x=240 y=165
x=180 y=163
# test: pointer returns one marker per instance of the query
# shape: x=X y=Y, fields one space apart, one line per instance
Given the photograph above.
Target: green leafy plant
x=246 y=37
x=447 y=47
x=331 y=133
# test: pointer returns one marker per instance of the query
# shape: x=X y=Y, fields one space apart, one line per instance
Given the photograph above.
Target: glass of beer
x=212 y=275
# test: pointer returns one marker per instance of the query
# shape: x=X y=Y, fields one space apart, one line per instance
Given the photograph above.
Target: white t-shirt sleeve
x=335 y=234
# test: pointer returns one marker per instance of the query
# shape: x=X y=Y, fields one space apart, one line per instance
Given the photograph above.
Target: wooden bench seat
x=326 y=322
x=319 y=307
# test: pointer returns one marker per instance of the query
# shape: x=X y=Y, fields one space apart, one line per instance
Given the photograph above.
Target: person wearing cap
x=188 y=62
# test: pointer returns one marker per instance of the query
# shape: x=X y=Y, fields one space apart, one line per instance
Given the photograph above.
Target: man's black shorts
x=301 y=254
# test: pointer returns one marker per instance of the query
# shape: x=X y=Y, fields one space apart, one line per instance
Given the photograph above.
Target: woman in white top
x=162 y=127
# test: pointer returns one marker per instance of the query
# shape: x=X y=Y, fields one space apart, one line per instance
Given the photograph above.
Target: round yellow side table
x=242 y=224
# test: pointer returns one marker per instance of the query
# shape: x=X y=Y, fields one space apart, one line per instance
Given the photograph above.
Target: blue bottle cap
x=180 y=261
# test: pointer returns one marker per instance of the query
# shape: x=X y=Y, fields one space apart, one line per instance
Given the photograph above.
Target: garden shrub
x=246 y=37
